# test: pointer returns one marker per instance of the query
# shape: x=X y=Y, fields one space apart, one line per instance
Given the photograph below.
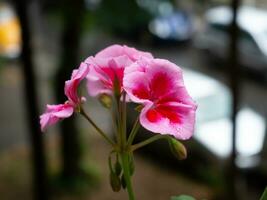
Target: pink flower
x=54 y=113
x=71 y=86
x=158 y=85
x=118 y=50
x=107 y=68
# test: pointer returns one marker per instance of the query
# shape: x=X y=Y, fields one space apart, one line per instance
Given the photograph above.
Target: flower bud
x=123 y=182
x=182 y=197
x=118 y=168
x=105 y=100
x=115 y=182
x=178 y=149
x=139 y=108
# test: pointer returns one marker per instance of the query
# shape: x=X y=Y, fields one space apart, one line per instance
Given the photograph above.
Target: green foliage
x=182 y=197
x=264 y=195
x=121 y=16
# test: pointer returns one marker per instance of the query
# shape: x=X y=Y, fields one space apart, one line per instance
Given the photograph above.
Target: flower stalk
x=122 y=142
x=126 y=174
x=146 y=142
x=134 y=130
x=96 y=127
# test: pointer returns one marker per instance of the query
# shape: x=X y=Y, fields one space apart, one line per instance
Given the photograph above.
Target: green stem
x=118 y=119
x=134 y=130
x=146 y=142
x=96 y=127
x=126 y=174
x=124 y=116
x=114 y=122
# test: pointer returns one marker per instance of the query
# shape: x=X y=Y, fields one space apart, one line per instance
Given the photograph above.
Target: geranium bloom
x=158 y=85
x=54 y=113
x=107 y=68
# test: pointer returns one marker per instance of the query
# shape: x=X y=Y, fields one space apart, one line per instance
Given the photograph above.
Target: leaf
x=264 y=195
x=182 y=197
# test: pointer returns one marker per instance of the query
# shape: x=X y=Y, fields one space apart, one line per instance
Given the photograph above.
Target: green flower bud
x=139 y=108
x=105 y=100
x=118 y=168
x=123 y=181
x=182 y=197
x=177 y=148
x=115 y=182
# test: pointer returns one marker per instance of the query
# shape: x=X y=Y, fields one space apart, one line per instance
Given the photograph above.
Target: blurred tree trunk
x=38 y=153
x=234 y=79
x=73 y=19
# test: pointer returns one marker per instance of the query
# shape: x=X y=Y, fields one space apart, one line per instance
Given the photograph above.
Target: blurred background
x=221 y=46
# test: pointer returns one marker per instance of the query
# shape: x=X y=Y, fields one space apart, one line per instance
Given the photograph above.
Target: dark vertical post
x=38 y=154
x=234 y=74
x=73 y=12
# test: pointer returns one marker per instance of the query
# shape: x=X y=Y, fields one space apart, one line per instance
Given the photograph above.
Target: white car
x=252 y=23
x=214 y=126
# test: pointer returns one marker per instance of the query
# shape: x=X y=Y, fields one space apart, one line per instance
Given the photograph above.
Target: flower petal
x=160 y=78
x=54 y=113
x=71 y=86
x=158 y=85
x=136 y=85
x=118 y=50
x=175 y=120
x=108 y=68
x=96 y=87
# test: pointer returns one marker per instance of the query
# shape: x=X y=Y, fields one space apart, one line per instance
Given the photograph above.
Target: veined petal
x=152 y=120
x=137 y=87
x=118 y=50
x=160 y=78
x=71 y=86
x=108 y=68
x=96 y=87
x=158 y=85
x=54 y=113
x=177 y=120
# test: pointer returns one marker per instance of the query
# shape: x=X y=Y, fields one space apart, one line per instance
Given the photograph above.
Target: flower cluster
x=156 y=84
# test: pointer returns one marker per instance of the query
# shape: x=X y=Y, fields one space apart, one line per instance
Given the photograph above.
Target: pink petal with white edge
x=103 y=73
x=96 y=87
x=158 y=85
x=176 y=120
x=119 y=50
x=136 y=85
x=152 y=79
x=71 y=86
x=54 y=113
